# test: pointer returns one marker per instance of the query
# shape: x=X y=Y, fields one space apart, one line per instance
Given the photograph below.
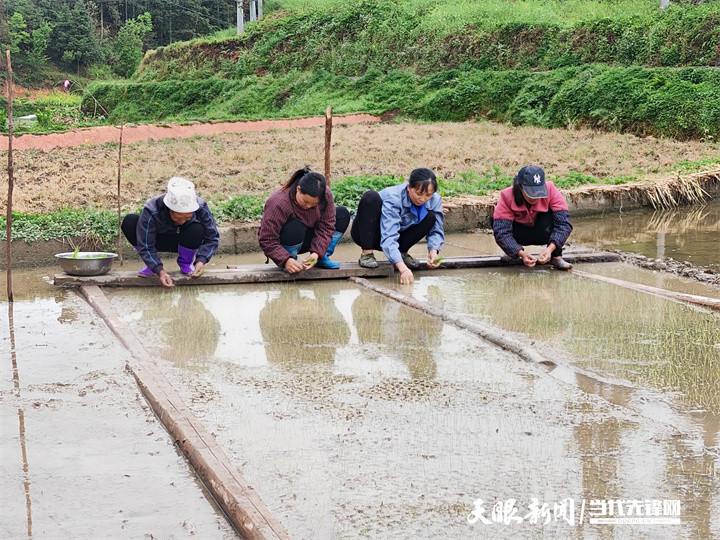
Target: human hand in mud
x=293 y=266
x=406 y=277
x=165 y=279
x=546 y=253
x=311 y=260
x=199 y=270
x=432 y=257
x=527 y=258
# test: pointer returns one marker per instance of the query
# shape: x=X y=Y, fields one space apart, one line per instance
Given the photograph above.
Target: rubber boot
x=324 y=261
x=144 y=272
x=185 y=259
x=293 y=250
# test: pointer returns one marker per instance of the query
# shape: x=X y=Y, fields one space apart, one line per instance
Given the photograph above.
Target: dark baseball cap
x=532 y=181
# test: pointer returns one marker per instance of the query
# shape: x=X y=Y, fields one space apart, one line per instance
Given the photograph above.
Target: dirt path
x=144 y=132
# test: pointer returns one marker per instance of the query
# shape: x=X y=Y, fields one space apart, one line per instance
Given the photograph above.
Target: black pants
x=294 y=231
x=537 y=235
x=190 y=236
x=365 y=230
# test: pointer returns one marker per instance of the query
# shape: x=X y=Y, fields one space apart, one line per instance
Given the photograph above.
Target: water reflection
x=299 y=329
x=21 y=419
x=67 y=313
x=189 y=331
x=407 y=334
x=689 y=233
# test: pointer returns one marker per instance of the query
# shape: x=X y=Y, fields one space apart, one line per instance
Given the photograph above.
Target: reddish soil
x=144 y=132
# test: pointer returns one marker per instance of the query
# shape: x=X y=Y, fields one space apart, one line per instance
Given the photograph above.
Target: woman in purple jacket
x=178 y=221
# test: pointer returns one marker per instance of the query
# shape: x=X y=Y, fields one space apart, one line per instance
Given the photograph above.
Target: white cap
x=180 y=195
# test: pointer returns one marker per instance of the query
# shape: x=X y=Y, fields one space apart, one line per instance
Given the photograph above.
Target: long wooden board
x=240 y=502
x=265 y=273
x=255 y=273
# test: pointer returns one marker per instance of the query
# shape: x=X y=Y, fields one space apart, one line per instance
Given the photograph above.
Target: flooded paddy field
x=355 y=416
x=685 y=233
x=82 y=455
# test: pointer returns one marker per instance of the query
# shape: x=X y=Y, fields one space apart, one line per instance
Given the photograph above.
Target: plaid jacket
x=279 y=208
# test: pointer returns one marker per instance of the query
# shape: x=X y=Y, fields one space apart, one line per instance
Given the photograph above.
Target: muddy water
x=354 y=416
x=688 y=233
x=600 y=326
x=82 y=454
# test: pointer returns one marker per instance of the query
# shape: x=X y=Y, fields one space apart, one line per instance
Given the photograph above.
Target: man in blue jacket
x=178 y=221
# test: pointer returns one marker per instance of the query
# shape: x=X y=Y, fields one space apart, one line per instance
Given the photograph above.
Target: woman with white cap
x=178 y=221
x=532 y=211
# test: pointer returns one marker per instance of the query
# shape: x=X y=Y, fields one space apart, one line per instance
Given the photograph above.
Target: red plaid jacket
x=279 y=208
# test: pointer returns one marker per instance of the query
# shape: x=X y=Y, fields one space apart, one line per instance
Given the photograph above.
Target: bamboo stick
x=11 y=181
x=704 y=301
x=119 y=205
x=328 y=138
x=482 y=330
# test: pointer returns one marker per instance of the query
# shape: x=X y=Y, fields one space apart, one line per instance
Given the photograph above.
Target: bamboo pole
x=119 y=201
x=8 y=249
x=328 y=137
x=703 y=301
x=482 y=330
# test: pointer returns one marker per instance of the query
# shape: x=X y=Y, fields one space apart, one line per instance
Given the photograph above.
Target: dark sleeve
x=146 y=238
x=325 y=227
x=271 y=224
x=502 y=230
x=561 y=227
x=211 y=236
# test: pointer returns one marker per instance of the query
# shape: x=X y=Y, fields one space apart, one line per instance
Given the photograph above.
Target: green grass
x=663 y=102
x=99 y=228
x=420 y=36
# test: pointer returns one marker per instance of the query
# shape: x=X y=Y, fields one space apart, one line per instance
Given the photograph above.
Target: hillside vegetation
x=620 y=66
x=425 y=36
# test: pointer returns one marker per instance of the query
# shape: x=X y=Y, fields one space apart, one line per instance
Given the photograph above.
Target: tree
x=74 y=37
x=128 y=45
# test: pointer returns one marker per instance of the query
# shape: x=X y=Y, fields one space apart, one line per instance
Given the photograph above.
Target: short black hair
x=421 y=179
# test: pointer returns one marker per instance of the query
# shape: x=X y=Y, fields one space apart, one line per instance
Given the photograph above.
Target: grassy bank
x=663 y=102
x=99 y=228
x=418 y=36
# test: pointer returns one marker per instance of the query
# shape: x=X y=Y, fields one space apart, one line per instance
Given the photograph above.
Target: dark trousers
x=190 y=236
x=365 y=230
x=537 y=235
x=294 y=231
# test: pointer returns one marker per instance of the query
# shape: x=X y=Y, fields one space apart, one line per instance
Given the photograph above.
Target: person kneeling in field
x=301 y=217
x=178 y=221
x=532 y=211
x=397 y=218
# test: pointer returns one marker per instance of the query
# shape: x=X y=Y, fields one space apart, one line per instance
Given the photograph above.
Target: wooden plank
x=694 y=299
x=240 y=502
x=487 y=261
x=265 y=273
x=256 y=273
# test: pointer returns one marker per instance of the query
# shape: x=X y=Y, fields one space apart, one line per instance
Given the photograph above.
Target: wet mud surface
x=354 y=416
x=82 y=456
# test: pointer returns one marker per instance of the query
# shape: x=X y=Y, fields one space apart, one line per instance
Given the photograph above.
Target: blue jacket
x=396 y=216
x=155 y=220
